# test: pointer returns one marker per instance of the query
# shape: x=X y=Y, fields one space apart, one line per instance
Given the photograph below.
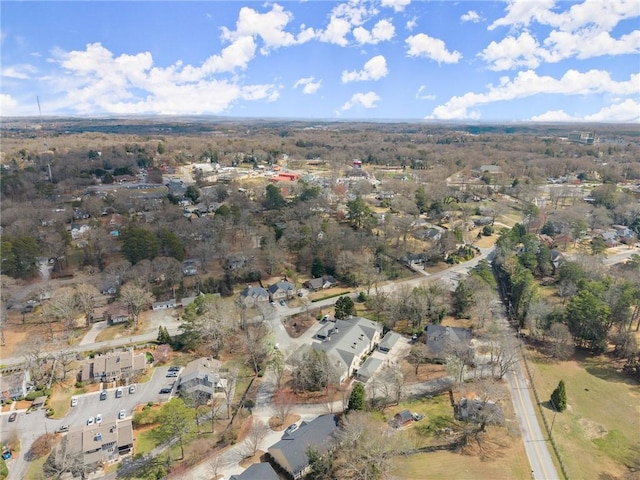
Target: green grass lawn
x=599 y=433
x=34 y=472
x=60 y=400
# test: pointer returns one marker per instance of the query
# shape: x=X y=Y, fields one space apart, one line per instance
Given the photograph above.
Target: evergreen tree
x=559 y=397
x=163 y=336
x=356 y=399
x=344 y=307
x=462 y=299
x=317 y=268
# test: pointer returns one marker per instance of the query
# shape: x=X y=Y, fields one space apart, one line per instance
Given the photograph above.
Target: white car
x=118 y=392
x=74 y=401
x=122 y=414
x=132 y=389
x=99 y=418
x=90 y=421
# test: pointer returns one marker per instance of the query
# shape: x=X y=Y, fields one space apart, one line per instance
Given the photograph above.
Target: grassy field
x=35 y=469
x=504 y=456
x=599 y=433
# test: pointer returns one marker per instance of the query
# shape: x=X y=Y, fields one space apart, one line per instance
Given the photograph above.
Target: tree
x=559 y=397
x=365 y=451
x=170 y=245
x=273 y=199
x=359 y=213
x=314 y=372
x=257 y=344
x=356 y=399
x=192 y=193
x=462 y=300
x=418 y=355
x=138 y=244
x=321 y=467
x=283 y=402
x=43 y=445
x=175 y=422
x=163 y=336
x=587 y=317
x=86 y=296
x=205 y=323
x=66 y=459
x=257 y=431
x=561 y=341
x=136 y=299
x=344 y=307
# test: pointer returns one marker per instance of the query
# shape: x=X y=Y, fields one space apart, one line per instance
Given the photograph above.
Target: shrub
x=559 y=397
x=31 y=396
x=229 y=437
x=80 y=384
x=487 y=230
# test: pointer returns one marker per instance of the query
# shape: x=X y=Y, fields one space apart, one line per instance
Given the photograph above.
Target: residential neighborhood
x=232 y=311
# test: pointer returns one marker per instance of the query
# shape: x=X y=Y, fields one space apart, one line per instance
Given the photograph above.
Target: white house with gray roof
x=348 y=341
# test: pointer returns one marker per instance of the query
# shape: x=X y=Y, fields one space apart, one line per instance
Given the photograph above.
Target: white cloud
x=8 y=105
x=366 y=100
x=343 y=18
x=374 y=69
x=22 y=71
x=582 y=31
x=309 y=85
x=626 y=112
x=269 y=26
x=471 y=16
x=397 y=5
x=422 y=45
x=411 y=24
x=529 y=83
x=512 y=52
x=96 y=81
x=381 y=31
x=420 y=95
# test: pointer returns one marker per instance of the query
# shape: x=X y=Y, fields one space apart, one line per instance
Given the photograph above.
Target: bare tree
x=365 y=451
x=283 y=402
x=228 y=389
x=561 y=341
x=86 y=296
x=136 y=299
x=460 y=358
x=66 y=460
x=418 y=355
x=62 y=308
x=257 y=431
x=257 y=344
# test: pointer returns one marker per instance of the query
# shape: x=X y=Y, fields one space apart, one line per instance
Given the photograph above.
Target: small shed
x=402 y=419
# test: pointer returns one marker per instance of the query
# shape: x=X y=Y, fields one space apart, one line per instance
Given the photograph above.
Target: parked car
x=417 y=416
x=172 y=374
x=99 y=418
x=273 y=304
x=283 y=303
x=90 y=421
x=6 y=455
x=103 y=395
x=165 y=390
x=13 y=416
x=132 y=389
x=74 y=401
x=118 y=392
x=174 y=369
x=62 y=428
x=122 y=414
x=291 y=428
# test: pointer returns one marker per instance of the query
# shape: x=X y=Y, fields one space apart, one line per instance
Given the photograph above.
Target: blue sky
x=519 y=60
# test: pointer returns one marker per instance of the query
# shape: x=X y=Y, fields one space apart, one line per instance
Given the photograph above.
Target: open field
x=598 y=434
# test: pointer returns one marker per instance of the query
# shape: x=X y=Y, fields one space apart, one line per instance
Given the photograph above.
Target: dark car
x=103 y=395
x=165 y=390
x=174 y=369
x=12 y=417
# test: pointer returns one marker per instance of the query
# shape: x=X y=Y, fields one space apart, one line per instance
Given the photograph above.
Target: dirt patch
x=276 y=426
x=296 y=326
x=592 y=429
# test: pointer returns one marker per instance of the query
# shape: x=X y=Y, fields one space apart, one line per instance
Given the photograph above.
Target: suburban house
x=254 y=295
x=290 y=453
x=439 y=338
x=490 y=169
x=116 y=313
x=98 y=444
x=414 y=259
x=113 y=366
x=320 y=283
x=257 y=471
x=281 y=290
x=15 y=386
x=164 y=305
x=201 y=378
x=346 y=342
